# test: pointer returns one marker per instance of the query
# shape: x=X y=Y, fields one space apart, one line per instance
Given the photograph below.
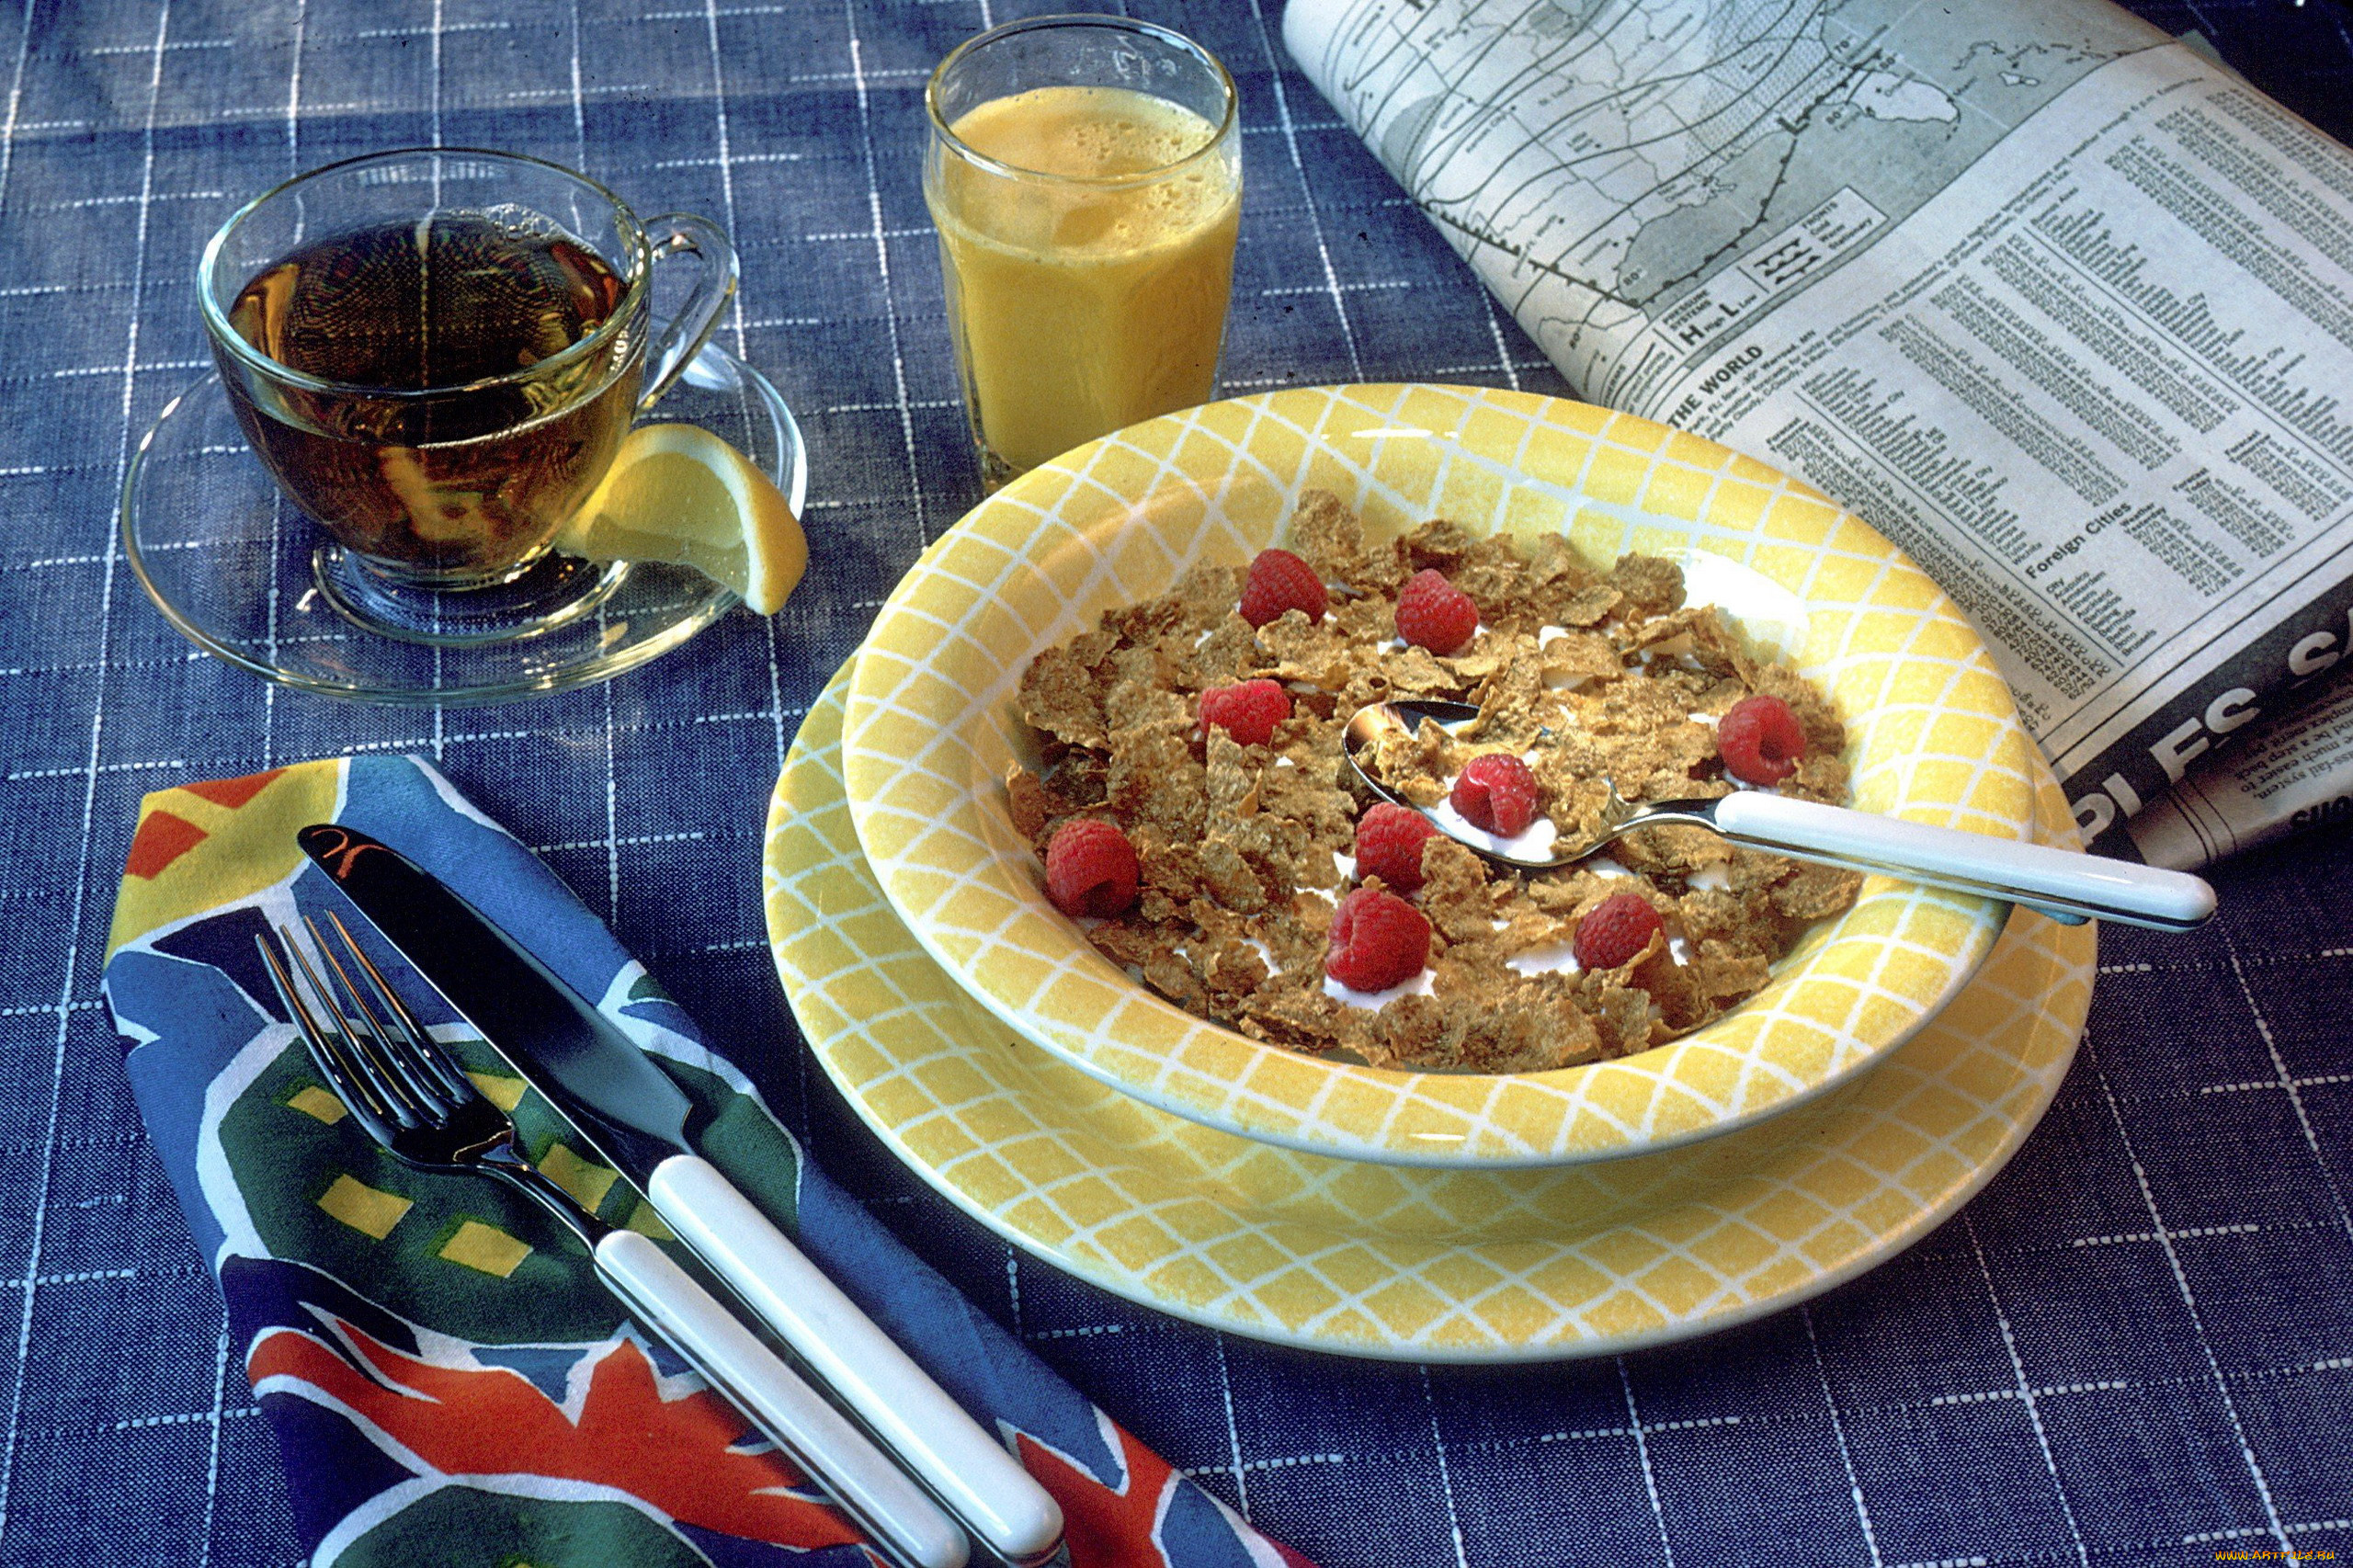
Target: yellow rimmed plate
x=1389 y=1261
x=932 y=728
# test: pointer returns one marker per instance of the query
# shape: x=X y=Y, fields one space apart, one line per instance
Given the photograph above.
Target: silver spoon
x=2061 y=883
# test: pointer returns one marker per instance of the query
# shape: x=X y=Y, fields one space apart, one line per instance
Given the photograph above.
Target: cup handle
x=682 y=337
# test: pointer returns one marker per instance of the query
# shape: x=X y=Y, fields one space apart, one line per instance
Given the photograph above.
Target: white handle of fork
x=867 y=1486
x=2059 y=882
x=982 y=1484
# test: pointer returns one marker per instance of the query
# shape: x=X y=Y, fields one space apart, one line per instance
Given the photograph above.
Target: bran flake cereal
x=1590 y=677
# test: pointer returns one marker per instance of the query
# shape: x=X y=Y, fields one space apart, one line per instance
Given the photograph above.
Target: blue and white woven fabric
x=2136 y=1347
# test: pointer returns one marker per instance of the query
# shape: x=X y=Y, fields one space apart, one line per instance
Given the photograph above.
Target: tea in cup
x=435 y=354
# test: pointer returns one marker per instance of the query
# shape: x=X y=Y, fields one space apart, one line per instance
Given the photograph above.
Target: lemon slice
x=678 y=493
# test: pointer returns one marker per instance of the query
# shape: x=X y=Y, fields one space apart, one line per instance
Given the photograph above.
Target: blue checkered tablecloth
x=2135 y=1347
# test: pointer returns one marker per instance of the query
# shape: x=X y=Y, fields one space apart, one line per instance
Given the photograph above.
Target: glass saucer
x=245 y=576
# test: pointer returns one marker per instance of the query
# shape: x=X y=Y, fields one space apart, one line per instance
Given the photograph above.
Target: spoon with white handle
x=2061 y=883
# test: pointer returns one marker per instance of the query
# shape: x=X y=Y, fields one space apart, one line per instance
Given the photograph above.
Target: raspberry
x=1433 y=613
x=1248 y=712
x=1090 y=869
x=1280 y=581
x=1496 y=792
x=1614 y=930
x=1761 y=740
x=1377 y=940
x=1388 y=845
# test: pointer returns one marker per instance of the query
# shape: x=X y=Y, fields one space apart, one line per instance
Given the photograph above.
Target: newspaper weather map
x=1633 y=150
x=2054 y=301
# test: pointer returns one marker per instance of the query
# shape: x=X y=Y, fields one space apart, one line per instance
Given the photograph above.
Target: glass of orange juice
x=1084 y=173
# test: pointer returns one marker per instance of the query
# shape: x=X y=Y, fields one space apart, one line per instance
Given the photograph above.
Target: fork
x=404 y=1090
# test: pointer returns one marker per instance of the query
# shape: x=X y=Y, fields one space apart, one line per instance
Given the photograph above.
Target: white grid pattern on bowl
x=931 y=730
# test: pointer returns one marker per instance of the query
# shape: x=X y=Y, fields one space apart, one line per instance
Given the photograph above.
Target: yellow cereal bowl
x=932 y=726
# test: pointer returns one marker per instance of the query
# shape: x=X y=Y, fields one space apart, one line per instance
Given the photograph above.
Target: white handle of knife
x=869 y=1489
x=981 y=1482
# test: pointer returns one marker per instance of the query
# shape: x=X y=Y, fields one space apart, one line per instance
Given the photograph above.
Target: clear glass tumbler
x=1084 y=173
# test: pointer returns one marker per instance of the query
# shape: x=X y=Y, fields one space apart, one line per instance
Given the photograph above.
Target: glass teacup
x=435 y=354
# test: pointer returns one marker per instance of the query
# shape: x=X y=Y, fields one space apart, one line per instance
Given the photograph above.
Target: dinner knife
x=639 y=1121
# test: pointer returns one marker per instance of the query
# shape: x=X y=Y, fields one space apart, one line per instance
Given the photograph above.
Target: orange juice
x=1087 y=256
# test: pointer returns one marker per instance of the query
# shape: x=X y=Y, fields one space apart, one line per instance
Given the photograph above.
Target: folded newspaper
x=2056 y=302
